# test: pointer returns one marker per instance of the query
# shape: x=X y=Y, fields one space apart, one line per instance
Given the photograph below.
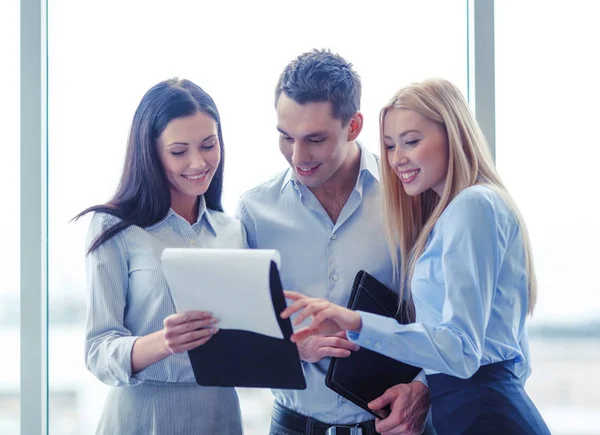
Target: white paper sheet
x=233 y=284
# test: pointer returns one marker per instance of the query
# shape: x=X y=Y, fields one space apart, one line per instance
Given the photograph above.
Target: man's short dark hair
x=320 y=75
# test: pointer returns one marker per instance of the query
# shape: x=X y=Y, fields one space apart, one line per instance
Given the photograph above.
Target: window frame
x=34 y=170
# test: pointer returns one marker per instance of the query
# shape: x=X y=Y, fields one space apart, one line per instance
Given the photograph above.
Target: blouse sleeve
x=470 y=261
x=108 y=344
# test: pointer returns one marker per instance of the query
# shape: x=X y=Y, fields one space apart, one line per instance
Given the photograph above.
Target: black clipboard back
x=236 y=358
x=365 y=375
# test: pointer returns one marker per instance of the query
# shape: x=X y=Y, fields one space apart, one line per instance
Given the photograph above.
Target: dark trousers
x=284 y=421
x=492 y=401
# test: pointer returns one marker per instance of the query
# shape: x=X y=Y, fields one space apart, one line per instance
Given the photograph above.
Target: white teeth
x=196 y=177
x=307 y=169
x=407 y=175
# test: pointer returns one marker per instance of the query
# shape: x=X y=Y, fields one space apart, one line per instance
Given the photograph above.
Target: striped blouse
x=128 y=296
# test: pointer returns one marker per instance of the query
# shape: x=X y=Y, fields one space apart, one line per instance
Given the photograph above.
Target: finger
x=189 y=337
x=333 y=351
x=311 y=310
x=186 y=316
x=339 y=343
x=391 y=425
x=295 y=296
x=196 y=315
x=172 y=331
x=383 y=400
x=303 y=334
x=399 y=431
x=295 y=307
x=194 y=344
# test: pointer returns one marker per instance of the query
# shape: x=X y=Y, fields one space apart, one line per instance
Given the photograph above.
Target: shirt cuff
x=372 y=333
x=421 y=378
x=120 y=363
x=370 y=336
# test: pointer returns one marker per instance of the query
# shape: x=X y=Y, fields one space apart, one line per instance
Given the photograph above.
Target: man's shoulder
x=222 y=219
x=267 y=191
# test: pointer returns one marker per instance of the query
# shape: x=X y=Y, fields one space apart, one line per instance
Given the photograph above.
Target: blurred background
x=103 y=56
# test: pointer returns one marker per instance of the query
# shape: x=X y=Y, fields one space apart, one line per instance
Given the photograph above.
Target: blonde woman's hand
x=188 y=330
x=327 y=317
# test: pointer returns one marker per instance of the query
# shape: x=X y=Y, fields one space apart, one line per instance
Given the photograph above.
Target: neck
x=186 y=207
x=334 y=193
x=344 y=179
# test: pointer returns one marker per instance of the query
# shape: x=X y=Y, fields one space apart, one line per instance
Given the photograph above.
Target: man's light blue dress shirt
x=320 y=259
x=128 y=296
x=470 y=293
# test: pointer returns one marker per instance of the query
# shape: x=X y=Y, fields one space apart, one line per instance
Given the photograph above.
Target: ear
x=355 y=126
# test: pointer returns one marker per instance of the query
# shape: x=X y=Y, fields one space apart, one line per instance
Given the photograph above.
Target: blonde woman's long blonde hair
x=410 y=219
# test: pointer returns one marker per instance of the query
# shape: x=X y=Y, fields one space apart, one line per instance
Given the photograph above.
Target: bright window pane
x=10 y=117
x=104 y=56
x=548 y=150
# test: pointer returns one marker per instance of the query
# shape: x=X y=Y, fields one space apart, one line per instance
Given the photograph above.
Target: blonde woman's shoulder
x=481 y=195
x=476 y=193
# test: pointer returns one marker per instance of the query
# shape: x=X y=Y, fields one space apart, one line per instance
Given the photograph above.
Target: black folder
x=366 y=375
x=236 y=358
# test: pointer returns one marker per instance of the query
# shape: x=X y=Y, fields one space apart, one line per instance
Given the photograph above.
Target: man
x=323 y=214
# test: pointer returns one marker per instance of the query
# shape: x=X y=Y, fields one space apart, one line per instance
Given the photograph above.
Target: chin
x=413 y=191
x=195 y=192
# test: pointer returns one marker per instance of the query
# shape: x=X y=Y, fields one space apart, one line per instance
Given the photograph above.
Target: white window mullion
x=481 y=58
x=34 y=385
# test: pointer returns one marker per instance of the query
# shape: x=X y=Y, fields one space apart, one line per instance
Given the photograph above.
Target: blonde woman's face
x=416 y=150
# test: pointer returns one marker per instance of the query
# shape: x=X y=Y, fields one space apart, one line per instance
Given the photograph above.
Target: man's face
x=313 y=142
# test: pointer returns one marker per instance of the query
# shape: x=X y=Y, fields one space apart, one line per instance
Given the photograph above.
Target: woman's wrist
x=148 y=350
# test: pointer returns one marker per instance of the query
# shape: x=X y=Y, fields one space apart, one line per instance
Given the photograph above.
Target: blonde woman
x=466 y=263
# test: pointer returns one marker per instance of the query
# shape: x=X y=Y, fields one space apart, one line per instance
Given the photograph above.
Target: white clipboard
x=232 y=284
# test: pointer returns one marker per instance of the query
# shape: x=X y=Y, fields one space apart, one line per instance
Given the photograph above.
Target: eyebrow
x=187 y=143
x=403 y=134
x=308 y=136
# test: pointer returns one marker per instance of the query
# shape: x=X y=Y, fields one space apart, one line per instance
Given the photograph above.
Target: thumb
x=383 y=400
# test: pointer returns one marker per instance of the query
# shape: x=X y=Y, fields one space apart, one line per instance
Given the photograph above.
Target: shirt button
x=335 y=277
x=333 y=237
x=367 y=341
x=192 y=242
x=377 y=345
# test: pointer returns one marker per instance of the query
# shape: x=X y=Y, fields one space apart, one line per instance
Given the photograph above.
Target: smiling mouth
x=307 y=170
x=196 y=177
x=409 y=176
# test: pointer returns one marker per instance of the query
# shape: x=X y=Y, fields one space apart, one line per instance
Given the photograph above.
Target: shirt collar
x=202 y=212
x=290 y=177
x=368 y=163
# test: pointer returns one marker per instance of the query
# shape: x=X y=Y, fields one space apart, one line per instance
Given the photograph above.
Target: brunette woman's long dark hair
x=143 y=197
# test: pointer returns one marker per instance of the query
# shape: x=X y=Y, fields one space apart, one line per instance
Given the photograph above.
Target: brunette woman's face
x=190 y=153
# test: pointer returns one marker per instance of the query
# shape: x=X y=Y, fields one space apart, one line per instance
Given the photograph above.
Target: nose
x=397 y=157
x=300 y=153
x=196 y=160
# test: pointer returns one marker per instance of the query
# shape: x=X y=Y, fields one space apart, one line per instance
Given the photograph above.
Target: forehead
x=196 y=126
x=402 y=119
x=301 y=119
